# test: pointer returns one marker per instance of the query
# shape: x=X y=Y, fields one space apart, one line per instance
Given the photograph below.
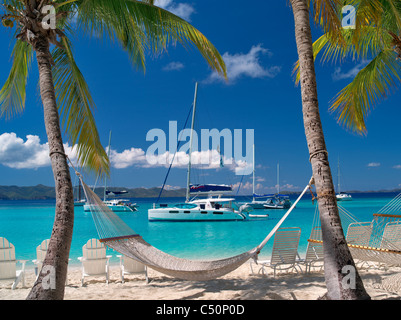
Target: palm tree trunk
x=56 y=260
x=336 y=251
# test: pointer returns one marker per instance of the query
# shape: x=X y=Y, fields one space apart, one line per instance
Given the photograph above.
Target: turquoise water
x=27 y=223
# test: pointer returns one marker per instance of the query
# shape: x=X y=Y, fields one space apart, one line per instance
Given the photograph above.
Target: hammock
x=378 y=240
x=116 y=234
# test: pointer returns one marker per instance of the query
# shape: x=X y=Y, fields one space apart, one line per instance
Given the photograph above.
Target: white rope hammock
x=378 y=240
x=116 y=234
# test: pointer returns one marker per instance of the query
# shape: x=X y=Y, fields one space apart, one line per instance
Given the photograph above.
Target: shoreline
x=240 y=284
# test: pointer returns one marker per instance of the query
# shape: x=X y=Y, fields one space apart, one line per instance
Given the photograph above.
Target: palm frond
x=75 y=104
x=370 y=43
x=13 y=93
x=139 y=25
x=373 y=83
x=327 y=14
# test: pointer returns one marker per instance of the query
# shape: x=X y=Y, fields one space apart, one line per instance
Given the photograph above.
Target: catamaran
x=214 y=207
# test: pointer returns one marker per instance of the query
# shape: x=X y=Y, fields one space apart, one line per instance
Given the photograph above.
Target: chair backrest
x=8 y=264
x=314 y=251
x=133 y=266
x=359 y=233
x=94 y=254
x=42 y=249
x=392 y=236
x=285 y=245
x=94 y=250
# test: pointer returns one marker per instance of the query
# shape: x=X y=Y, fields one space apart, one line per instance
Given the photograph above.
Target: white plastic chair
x=284 y=253
x=8 y=264
x=130 y=266
x=94 y=261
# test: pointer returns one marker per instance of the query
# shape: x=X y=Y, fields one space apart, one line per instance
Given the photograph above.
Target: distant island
x=41 y=192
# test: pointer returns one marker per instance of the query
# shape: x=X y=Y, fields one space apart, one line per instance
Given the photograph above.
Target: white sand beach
x=240 y=284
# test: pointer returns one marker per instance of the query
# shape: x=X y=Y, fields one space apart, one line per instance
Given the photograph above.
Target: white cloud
x=373 y=164
x=339 y=75
x=127 y=158
x=30 y=154
x=398 y=166
x=245 y=65
x=208 y=160
x=174 y=66
x=183 y=10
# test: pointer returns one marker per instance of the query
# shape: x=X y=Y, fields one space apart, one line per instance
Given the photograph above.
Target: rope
x=317 y=152
x=273 y=231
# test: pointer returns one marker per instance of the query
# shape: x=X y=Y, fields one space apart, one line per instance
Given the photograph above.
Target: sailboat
x=341 y=196
x=278 y=201
x=215 y=207
x=116 y=205
x=80 y=201
x=257 y=202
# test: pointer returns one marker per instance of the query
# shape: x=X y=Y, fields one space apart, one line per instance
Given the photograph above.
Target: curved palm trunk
x=50 y=284
x=336 y=251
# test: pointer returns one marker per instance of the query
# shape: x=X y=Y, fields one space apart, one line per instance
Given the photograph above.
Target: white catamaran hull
x=174 y=214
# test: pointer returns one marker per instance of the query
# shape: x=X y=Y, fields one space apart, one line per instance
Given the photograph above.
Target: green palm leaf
x=371 y=84
x=135 y=22
x=76 y=105
x=13 y=93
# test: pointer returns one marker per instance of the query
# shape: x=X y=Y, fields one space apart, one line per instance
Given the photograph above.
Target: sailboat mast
x=278 y=178
x=190 y=142
x=253 y=177
x=105 y=179
x=338 y=178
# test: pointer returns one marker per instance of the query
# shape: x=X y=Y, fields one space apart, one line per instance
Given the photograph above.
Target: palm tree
x=139 y=27
x=336 y=251
x=375 y=41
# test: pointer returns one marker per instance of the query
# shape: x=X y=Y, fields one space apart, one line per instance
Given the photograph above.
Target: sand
x=240 y=284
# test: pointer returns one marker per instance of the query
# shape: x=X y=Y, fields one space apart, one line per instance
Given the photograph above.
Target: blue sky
x=258 y=45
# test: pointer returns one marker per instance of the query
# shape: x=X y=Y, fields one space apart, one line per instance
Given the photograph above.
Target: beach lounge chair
x=94 y=261
x=359 y=234
x=284 y=253
x=8 y=264
x=314 y=250
x=130 y=266
x=40 y=255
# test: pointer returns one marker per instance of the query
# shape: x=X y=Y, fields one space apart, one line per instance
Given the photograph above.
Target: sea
x=26 y=223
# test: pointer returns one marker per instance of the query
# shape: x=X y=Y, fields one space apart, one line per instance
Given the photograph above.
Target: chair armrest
x=23 y=262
